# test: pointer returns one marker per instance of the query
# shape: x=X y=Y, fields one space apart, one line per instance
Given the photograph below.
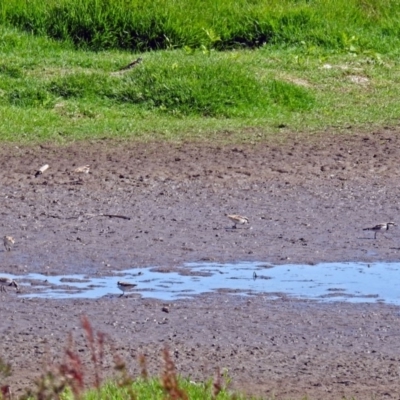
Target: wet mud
x=161 y=205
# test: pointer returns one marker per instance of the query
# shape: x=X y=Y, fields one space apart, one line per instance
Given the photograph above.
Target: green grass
x=222 y=24
x=51 y=91
x=327 y=65
x=153 y=389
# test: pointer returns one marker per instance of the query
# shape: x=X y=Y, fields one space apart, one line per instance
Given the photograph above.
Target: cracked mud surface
x=307 y=201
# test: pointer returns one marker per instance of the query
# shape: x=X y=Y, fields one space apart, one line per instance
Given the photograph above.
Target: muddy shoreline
x=307 y=201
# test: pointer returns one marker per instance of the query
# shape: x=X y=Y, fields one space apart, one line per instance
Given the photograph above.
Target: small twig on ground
x=89 y=215
x=132 y=64
x=108 y=215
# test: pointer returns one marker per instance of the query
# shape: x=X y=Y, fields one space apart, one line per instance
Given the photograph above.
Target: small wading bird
x=380 y=228
x=8 y=242
x=4 y=282
x=124 y=286
x=237 y=219
x=84 y=169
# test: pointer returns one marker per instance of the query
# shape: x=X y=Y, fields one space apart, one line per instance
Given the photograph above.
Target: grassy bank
x=50 y=91
x=222 y=24
x=311 y=66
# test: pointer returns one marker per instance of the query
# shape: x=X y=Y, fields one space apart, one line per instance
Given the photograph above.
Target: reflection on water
x=351 y=282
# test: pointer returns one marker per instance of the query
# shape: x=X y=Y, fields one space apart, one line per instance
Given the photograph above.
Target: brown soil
x=307 y=201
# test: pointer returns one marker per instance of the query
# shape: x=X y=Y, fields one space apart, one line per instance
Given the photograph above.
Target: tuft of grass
x=182 y=89
x=290 y=96
x=153 y=389
x=29 y=97
x=10 y=72
x=194 y=89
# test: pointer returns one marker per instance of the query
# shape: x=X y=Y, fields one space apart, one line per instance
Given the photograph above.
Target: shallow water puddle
x=351 y=282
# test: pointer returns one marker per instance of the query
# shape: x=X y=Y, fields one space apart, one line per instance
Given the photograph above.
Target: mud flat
x=307 y=201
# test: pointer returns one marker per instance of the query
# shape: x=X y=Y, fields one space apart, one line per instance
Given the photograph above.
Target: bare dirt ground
x=307 y=200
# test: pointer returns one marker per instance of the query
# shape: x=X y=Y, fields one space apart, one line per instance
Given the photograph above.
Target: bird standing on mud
x=8 y=242
x=380 y=228
x=84 y=169
x=237 y=219
x=125 y=286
